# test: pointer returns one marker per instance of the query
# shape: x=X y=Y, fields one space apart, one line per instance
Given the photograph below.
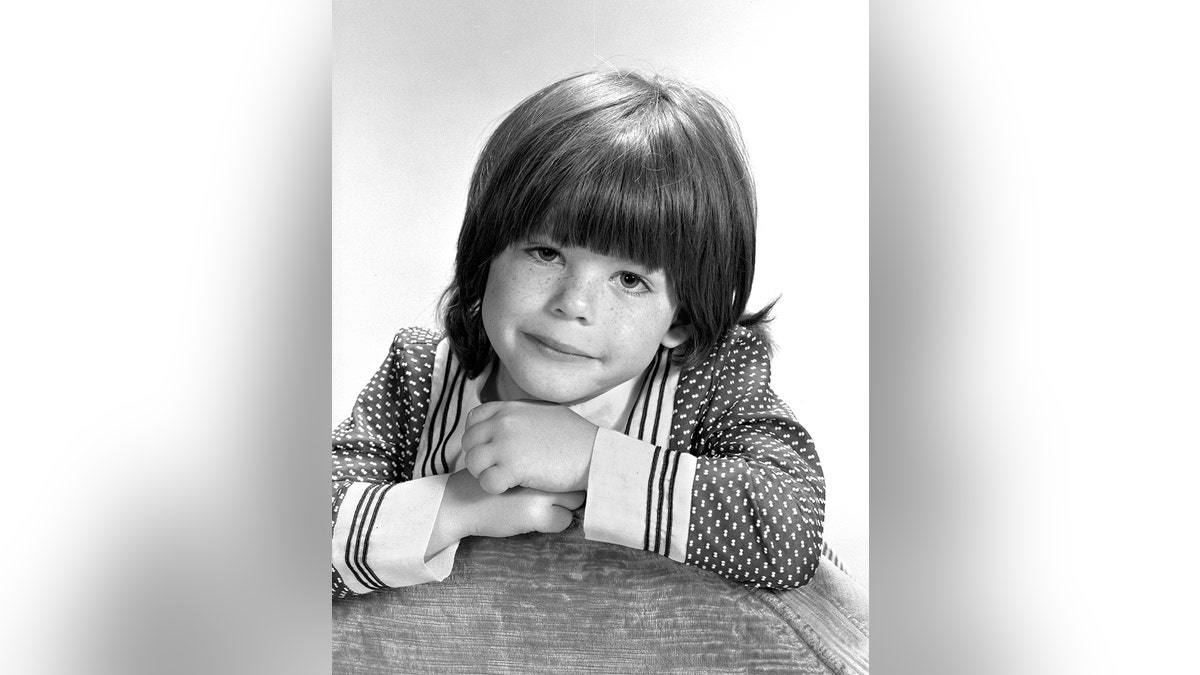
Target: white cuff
x=382 y=532
x=639 y=495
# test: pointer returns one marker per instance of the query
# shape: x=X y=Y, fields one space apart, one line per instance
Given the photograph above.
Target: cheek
x=494 y=298
x=508 y=294
x=645 y=329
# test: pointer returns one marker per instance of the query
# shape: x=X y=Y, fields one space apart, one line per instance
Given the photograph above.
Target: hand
x=534 y=444
x=468 y=510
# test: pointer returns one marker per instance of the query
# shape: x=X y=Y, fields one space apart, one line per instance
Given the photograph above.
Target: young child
x=595 y=347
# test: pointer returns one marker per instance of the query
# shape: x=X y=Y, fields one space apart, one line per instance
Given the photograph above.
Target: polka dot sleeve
x=373 y=451
x=758 y=495
x=737 y=490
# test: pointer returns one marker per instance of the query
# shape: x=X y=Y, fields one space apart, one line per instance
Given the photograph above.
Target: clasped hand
x=544 y=446
x=528 y=464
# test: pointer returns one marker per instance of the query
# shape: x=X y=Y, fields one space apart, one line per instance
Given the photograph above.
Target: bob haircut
x=624 y=164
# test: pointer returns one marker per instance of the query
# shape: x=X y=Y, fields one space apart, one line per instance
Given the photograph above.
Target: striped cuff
x=639 y=495
x=381 y=542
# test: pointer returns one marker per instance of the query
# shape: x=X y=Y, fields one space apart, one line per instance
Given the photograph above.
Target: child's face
x=569 y=324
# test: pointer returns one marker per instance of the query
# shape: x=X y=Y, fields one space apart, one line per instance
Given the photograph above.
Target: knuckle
x=476 y=414
x=473 y=465
x=487 y=481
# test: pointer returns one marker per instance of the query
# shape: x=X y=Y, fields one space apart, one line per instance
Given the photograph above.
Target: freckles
x=531 y=288
x=634 y=327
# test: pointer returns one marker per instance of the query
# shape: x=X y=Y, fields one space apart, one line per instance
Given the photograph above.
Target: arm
x=391 y=530
x=382 y=519
x=739 y=491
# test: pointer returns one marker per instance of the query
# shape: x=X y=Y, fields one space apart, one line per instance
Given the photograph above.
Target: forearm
x=443 y=535
x=639 y=495
x=749 y=520
x=382 y=520
x=454 y=514
x=384 y=535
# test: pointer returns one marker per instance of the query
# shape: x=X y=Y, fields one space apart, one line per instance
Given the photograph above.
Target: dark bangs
x=640 y=168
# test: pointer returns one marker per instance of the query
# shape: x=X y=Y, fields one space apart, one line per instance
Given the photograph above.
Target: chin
x=557 y=395
x=555 y=392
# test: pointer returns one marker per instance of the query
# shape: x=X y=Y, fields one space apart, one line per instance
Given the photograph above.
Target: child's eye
x=543 y=253
x=632 y=282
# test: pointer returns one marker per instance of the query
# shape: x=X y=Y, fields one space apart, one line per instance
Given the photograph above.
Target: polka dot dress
x=758 y=500
x=378 y=442
x=757 y=503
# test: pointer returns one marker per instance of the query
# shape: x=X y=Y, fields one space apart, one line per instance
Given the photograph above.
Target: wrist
x=444 y=534
x=450 y=526
x=585 y=469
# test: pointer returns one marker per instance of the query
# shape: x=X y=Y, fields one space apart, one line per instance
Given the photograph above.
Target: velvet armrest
x=558 y=603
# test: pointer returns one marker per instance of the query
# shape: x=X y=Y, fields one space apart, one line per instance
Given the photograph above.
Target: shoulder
x=416 y=337
x=748 y=343
x=741 y=355
x=415 y=349
x=417 y=341
x=742 y=346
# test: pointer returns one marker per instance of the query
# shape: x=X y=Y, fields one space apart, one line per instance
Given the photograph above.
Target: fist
x=469 y=510
x=532 y=444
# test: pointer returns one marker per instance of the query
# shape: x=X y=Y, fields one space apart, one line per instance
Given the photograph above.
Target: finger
x=482 y=412
x=480 y=459
x=556 y=519
x=475 y=436
x=496 y=479
x=570 y=500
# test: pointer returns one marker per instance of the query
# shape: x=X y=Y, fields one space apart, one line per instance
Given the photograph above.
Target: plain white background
x=419 y=85
x=165 y=358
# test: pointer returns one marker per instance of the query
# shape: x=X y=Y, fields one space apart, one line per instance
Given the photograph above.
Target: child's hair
x=636 y=166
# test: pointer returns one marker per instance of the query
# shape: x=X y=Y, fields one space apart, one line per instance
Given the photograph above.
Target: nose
x=575 y=298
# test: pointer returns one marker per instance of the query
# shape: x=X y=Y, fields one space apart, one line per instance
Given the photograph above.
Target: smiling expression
x=569 y=324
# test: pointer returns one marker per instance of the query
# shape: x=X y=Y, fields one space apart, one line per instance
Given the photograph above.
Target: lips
x=558 y=347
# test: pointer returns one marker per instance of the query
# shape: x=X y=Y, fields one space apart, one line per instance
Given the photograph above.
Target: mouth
x=557 y=349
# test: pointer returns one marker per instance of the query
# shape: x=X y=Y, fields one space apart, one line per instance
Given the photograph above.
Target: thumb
x=556 y=519
x=497 y=479
x=570 y=500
